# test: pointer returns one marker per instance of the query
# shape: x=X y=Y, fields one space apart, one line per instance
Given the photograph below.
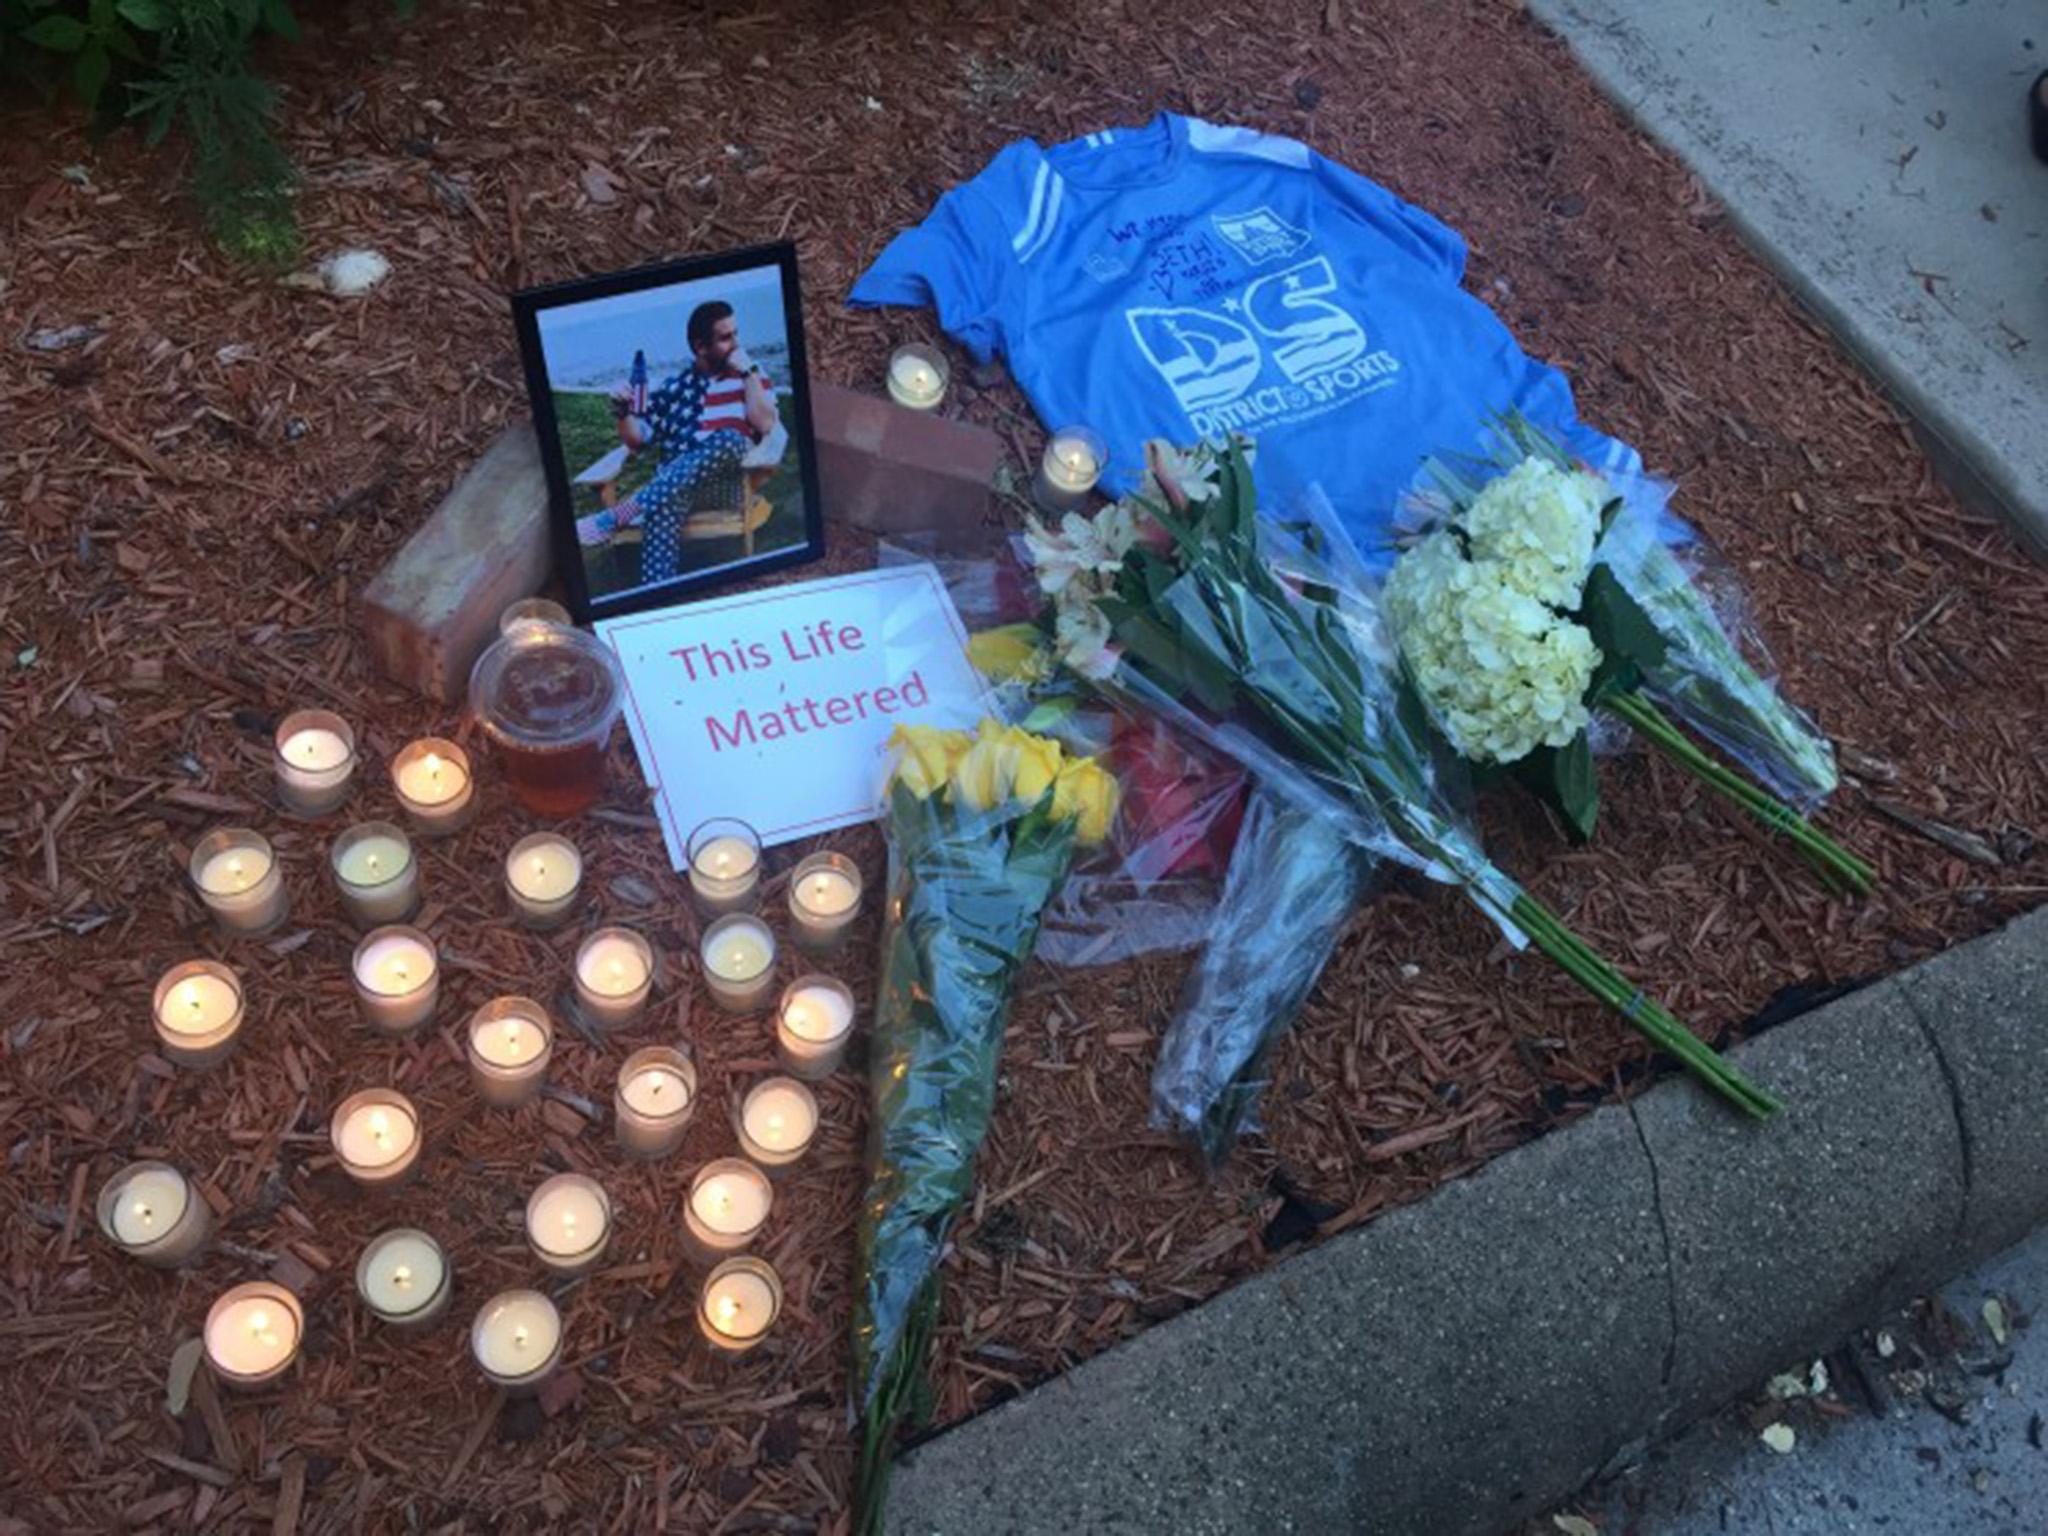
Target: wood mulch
x=195 y=493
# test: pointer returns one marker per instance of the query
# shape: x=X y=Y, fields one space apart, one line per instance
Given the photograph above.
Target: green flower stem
x=1835 y=863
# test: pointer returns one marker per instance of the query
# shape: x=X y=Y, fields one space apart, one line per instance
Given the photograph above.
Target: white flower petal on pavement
x=1779 y=1437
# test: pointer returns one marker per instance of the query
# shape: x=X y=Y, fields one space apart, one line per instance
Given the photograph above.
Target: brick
x=891 y=470
x=432 y=610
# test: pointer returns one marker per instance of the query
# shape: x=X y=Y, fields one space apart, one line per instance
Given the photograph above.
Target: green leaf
x=59 y=34
x=145 y=15
x=89 y=74
x=1563 y=779
x=277 y=15
x=1630 y=645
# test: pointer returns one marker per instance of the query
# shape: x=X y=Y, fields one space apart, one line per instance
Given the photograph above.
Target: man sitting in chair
x=703 y=422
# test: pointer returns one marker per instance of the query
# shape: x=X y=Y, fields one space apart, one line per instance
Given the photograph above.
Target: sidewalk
x=1467 y=1361
x=1875 y=152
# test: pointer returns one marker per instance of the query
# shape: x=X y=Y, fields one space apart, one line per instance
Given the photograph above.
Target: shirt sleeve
x=1421 y=234
x=960 y=260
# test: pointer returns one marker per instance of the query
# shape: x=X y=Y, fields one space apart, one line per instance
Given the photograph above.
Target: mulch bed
x=195 y=495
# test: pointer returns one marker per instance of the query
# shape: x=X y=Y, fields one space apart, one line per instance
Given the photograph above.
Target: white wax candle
x=434 y=785
x=511 y=1041
x=545 y=872
x=516 y=1338
x=1070 y=464
x=612 y=967
x=252 y=1333
x=818 y=1014
x=234 y=871
x=729 y=1201
x=239 y=880
x=395 y=965
x=651 y=1106
x=568 y=1220
x=726 y=858
x=198 y=1012
x=375 y=873
x=777 y=1120
x=402 y=1276
x=316 y=759
x=826 y=893
x=741 y=1300
x=507 y=1042
x=431 y=780
x=315 y=750
x=740 y=953
x=655 y=1092
x=151 y=1203
x=375 y=1136
x=914 y=382
x=373 y=860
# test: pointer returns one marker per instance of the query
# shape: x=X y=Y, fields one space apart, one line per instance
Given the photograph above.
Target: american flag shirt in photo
x=689 y=408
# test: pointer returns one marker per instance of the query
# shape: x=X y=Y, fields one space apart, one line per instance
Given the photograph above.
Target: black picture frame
x=794 y=527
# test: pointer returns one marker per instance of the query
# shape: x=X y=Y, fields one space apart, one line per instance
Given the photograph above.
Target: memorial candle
x=533 y=610
x=517 y=1340
x=1072 y=464
x=252 y=1333
x=614 y=975
x=510 y=1043
x=824 y=899
x=568 y=1223
x=376 y=1135
x=434 y=786
x=398 y=978
x=727 y=1207
x=738 y=954
x=917 y=377
x=151 y=1212
x=403 y=1278
x=741 y=1300
x=237 y=876
x=651 y=1107
x=375 y=874
x=543 y=875
x=724 y=856
x=777 y=1120
x=316 y=761
x=813 y=1025
x=198 y=1009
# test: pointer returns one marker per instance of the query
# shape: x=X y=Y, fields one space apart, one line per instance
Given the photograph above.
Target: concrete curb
x=1471 y=1359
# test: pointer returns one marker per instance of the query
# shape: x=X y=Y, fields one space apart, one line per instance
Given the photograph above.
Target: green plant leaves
x=1564 y=779
x=1630 y=645
x=59 y=34
x=145 y=15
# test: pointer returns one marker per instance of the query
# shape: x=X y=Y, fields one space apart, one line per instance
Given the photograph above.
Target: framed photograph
x=675 y=425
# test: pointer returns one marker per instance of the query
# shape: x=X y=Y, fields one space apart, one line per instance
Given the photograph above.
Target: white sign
x=775 y=705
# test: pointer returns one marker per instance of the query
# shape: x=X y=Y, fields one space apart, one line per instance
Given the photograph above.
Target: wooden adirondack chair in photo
x=725 y=507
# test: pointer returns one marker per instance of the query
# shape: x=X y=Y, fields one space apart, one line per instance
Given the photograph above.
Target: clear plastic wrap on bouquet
x=1715 y=674
x=1294 y=874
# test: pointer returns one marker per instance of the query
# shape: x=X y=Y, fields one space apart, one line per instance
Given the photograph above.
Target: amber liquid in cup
x=548 y=700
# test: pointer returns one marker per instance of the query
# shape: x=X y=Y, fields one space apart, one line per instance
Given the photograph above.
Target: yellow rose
x=985 y=771
x=1038 y=764
x=1009 y=652
x=1088 y=792
x=928 y=755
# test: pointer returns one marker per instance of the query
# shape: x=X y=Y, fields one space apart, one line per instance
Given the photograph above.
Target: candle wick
x=142 y=1210
x=519 y=1336
x=402 y=1275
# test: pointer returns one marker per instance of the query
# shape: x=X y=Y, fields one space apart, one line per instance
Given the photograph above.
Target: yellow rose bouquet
x=982 y=828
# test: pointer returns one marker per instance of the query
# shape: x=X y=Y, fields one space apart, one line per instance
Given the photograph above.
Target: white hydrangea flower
x=1539 y=524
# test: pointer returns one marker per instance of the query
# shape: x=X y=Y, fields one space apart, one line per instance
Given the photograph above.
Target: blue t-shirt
x=1185 y=280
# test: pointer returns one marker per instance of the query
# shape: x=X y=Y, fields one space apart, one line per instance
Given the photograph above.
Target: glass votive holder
x=738 y=955
x=824 y=899
x=252 y=1334
x=917 y=376
x=404 y=1278
x=614 y=976
x=198 y=1012
x=238 y=878
x=726 y=1208
x=548 y=695
x=398 y=978
x=533 y=610
x=813 y=1026
x=1073 y=461
x=517 y=1341
x=435 y=787
x=510 y=1042
x=316 y=761
x=724 y=856
x=741 y=1299
x=569 y=1224
x=376 y=1137
x=152 y=1213
x=654 y=1100
x=375 y=874
x=543 y=877
x=776 y=1122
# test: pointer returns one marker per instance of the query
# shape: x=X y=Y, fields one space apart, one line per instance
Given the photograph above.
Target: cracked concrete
x=1473 y=1358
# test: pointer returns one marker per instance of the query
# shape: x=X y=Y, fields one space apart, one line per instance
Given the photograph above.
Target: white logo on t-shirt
x=1260 y=235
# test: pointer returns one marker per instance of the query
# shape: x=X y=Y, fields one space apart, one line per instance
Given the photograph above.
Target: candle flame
x=259 y=1322
x=312 y=747
x=728 y=1308
x=819 y=887
x=192 y=999
x=375 y=863
x=402 y=1276
x=540 y=866
x=142 y=1210
x=722 y=859
x=618 y=970
x=512 y=1033
x=569 y=1221
x=380 y=1125
x=235 y=867
x=519 y=1336
x=775 y=1125
x=434 y=766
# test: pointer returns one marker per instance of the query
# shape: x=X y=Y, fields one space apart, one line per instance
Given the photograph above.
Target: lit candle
x=510 y=1042
x=727 y=1207
x=777 y=1119
x=614 y=975
x=532 y=610
x=198 y=1009
x=376 y=1134
x=238 y=878
x=741 y=1300
x=252 y=1333
x=738 y=953
x=813 y=1025
x=543 y=874
x=651 y=1107
x=434 y=786
x=398 y=979
x=917 y=377
x=152 y=1213
x=568 y=1223
x=1067 y=473
x=316 y=761
x=824 y=899
x=725 y=864
x=403 y=1278
x=375 y=873
x=517 y=1340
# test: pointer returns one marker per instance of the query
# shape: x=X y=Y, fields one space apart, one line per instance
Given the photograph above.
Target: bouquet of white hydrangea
x=1514 y=627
